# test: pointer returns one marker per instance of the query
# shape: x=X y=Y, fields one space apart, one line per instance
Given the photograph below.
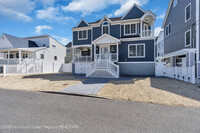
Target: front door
x=105 y=51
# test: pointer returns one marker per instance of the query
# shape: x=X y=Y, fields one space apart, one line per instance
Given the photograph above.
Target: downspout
x=197 y=36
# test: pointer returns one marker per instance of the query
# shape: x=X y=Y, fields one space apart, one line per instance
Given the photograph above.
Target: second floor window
x=68 y=51
x=168 y=30
x=82 y=35
x=175 y=3
x=188 y=12
x=105 y=27
x=130 y=29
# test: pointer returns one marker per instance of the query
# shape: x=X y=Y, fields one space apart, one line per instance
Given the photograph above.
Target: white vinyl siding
x=136 y=50
x=130 y=29
x=82 y=35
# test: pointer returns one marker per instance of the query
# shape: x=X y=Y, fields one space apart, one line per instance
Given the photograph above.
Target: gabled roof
x=20 y=42
x=112 y=19
x=69 y=45
x=105 y=18
x=167 y=13
x=105 y=39
x=140 y=12
x=82 y=23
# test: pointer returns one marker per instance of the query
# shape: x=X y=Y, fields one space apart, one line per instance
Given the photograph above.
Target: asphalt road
x=27 y=112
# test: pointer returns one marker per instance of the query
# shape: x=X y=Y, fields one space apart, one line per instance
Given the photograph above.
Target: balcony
x=147 y=33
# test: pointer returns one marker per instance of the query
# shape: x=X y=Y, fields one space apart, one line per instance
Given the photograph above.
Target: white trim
x=167 y=13
x=186 y=13
x=136 y=50
x=130 y=29
x=80 y=23
x=190 y=38
x=105 y=17
x=168 y=30
x=103 y=27
x=86 y=35
x=135 y=62
x=117 y=40
x=134 y=5
x=79 y=46
x=137 y=39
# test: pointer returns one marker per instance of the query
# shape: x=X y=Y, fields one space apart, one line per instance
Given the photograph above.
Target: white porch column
x=20 y=56
x=141 y=29
x=117 y=52
x=73 y=54
x=94 y=51
x=153 y=28
x=8 y=57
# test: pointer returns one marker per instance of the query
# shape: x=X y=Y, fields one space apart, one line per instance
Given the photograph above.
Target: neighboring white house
x=31 y=54
x=160 y=44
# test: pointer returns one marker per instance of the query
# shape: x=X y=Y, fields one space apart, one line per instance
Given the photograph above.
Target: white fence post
x=4 y=70
x=26 y=70
x=43 y=67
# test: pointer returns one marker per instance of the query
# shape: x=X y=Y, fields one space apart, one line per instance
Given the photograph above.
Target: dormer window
x=105 y=28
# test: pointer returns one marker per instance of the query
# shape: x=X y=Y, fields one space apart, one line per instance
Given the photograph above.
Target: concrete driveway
x=22 y=112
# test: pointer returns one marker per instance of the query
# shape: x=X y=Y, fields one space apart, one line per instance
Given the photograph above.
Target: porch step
x=98 y=73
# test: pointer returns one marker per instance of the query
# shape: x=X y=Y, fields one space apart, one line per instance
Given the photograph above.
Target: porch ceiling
x=178 y=53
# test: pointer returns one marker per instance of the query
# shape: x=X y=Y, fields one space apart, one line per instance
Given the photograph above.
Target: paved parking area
x=90 y=86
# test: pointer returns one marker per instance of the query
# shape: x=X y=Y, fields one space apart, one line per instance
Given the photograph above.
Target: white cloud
x=87 y=7
x=128 y=4
x=63 y=40
x=52 y=14
x=157 y=31
x=161 y=16
x=16 y=9
x=42 y=27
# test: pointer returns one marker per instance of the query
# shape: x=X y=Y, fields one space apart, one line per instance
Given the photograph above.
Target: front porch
x=14 y=56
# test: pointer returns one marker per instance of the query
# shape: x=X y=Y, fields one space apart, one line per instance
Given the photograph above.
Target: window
x=78 y=50
x=175 y=3
x=136 y=50
x=41 y=56
x=105 y=28
x=25 y=55
x=55 y=58
x=168 y=30
x=188 y=38
x=68 y=51
x=130 y=29
x=188 y=13
x=82 y=35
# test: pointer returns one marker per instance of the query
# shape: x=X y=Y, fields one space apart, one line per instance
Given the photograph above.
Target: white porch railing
x=78 y=58
x=147 y=33
x=102 y=64
x=112 y=57
x=10 y=61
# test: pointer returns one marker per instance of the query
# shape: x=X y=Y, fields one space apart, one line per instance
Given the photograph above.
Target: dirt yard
x=153 y=90
x=46 y=82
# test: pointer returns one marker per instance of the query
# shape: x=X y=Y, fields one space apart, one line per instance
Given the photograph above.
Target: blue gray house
x=111 y=47
x=181 y=27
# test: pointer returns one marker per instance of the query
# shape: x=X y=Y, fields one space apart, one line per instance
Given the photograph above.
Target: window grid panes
x=136 y=50
x=83 y=34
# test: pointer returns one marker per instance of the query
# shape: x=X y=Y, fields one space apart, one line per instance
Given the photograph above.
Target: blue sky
x=24 y=18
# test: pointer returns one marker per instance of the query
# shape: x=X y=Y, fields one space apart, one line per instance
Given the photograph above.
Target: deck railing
x=78 y=58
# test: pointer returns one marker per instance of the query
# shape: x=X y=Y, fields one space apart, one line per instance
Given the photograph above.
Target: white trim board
x=136 y=62
x=190 y=37
x=186 y=13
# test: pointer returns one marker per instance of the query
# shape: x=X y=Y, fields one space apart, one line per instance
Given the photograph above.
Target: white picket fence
x=37 y=68
x=186 y=74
